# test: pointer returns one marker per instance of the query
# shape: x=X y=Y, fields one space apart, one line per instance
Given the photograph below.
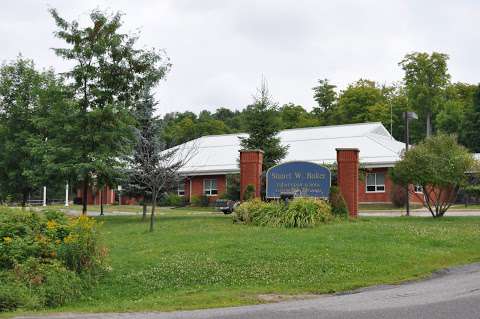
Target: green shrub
x=15 y=294
x=50 y=281
x=233 y=187
x=172 y=199
x=249 y=192
x=398 y=195
x=299 y=213
x=337 y=203
x=47 y=253
x=305 y=212
x=199 y=201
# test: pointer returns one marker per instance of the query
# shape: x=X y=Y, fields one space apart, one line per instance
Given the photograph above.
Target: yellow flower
x=51 y=224
x=7 y=239
x=69 y=239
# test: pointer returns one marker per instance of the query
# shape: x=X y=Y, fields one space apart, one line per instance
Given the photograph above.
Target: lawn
x=198 y=260
x=124 y=208
x=385 y=206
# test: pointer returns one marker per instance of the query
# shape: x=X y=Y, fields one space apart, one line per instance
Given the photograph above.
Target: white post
x=119 y=188
x=66 y=195
x=44 y=195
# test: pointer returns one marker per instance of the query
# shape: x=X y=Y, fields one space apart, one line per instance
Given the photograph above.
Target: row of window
x=375 y=183
x=209 y=187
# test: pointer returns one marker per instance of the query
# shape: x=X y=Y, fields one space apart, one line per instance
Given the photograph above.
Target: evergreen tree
x=263 y=124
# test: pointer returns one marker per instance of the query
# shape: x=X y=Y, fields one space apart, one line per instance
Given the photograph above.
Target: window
x=375 y=182
x=181 y=188
x=210 y=187
x=418 y=188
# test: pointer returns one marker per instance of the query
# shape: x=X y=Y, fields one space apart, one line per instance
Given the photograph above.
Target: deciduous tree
x=426 y=78
x=107 y=77
x=438 y=164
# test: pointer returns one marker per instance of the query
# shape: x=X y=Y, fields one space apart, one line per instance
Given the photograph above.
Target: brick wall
x=381 y=197
x=251 y=162
x=197 y=185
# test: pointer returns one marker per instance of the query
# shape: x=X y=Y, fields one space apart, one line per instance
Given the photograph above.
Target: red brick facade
x=195 y=185
x=251 y=162
x=347 y=177
x=385 y=195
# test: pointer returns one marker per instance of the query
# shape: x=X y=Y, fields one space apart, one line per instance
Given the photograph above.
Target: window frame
x=210 y=191
x=181 y=188
x=418 y=189
x=376 y=185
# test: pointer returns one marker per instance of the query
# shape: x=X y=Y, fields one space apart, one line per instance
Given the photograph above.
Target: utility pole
x=408 y=116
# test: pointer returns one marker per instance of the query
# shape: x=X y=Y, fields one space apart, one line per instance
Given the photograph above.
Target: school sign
x=301 y=179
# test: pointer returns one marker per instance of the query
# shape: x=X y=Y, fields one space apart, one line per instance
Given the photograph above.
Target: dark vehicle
x=225 y=205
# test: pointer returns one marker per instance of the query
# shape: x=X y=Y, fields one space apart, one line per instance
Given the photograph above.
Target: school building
x=216 y=156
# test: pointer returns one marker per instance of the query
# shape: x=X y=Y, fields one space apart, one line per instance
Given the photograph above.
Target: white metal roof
x=219 y=154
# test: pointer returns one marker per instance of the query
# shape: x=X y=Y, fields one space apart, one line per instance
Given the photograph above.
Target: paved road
x=453 y=293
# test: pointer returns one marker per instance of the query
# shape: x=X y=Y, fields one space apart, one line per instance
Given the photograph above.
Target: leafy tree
x=470 y=130
x=20 y=85
x=107 y=77
x=426 y=78
x=361 y=102
x=438 y=164
x=263 y=125
x=325 y=96
x=27 y=98
x=293 y=116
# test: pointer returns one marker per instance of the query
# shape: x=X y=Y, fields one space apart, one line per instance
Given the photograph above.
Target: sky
x=220 y=49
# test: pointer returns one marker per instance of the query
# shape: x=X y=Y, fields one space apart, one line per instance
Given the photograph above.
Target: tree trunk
x=24 y=199
x=144 y=214
x=154 y=204
x=84 y=196
x=101 y=201
x=429 y=124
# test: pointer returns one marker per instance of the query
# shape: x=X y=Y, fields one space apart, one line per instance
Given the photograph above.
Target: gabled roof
x=219 y=154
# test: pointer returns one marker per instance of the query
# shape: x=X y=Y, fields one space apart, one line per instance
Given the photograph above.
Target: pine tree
x=263 y=125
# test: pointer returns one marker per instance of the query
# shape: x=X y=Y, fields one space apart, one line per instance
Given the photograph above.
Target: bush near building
x=298 y=213
x=46 y=259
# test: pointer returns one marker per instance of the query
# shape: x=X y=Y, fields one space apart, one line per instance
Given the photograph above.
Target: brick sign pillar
x=347 y=177
x=251 y=162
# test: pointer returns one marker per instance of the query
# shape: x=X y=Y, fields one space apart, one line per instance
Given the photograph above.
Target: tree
x=147 y=126
x=107 y=77
x=470 y=130
x=363 y=101
x=293 y=116
x=19 y=98
x=325 y=96
x=27 y=97
x=438 y=164
x=263 y=124
x=156 y=166
x=426 y=78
